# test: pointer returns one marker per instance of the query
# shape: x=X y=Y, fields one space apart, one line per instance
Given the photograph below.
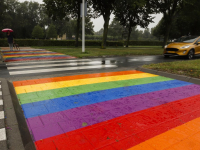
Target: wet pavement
x=111 y=111
x=50 y=67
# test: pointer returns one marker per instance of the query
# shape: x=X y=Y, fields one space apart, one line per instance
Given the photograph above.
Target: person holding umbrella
x=10 y=37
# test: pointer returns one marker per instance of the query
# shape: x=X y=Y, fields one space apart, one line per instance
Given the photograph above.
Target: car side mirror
x=198 y=43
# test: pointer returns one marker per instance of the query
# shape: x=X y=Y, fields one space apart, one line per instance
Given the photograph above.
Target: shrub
x=145 y=43
x=33 y=42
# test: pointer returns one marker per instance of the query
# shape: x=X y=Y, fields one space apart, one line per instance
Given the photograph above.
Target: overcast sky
x=98 y=23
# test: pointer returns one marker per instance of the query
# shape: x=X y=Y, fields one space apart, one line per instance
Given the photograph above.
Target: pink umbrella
x=6 y=30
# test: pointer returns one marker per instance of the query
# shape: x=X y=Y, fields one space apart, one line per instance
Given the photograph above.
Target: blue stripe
x=69 y=102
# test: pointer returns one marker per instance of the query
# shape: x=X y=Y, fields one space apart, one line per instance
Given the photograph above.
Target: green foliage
x=170 y=10
x=38 y=32
x=145 y=43
x=51 y=33
x=104 y=8
x=31 y=42
x=133 y=13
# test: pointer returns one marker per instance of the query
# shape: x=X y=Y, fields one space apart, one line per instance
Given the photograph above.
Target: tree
x=62 y=8
x=134 y=12
x=104 y=8
x=52 y=33
x=38 y=32
x=115 y=29
x=2 y=16
x=170 y=10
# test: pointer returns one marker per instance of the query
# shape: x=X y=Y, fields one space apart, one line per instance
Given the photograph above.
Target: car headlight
x=187 y=46
x=166 y=46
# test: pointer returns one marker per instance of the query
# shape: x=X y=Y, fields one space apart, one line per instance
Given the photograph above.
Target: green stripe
x=68 y=91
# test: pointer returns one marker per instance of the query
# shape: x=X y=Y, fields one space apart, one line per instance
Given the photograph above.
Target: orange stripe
x=175 y=138
x=66 y=78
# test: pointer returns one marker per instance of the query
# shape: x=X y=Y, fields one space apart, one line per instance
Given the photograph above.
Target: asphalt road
x=39 y=68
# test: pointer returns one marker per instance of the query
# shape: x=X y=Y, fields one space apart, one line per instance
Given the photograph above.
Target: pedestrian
x=10 y=40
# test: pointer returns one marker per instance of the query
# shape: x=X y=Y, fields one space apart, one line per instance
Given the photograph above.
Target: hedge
x=30 y=42
x=145 y=43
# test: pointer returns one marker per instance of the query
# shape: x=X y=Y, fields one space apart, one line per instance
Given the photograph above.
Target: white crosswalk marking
x=46 y=62
x=2 y=134
x=56 y=66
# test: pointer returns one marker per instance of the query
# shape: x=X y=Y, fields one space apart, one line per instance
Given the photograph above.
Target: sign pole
x=83 y=26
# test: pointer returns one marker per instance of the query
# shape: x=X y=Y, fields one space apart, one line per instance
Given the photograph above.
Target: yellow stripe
x=63 y=84
x=174 y=138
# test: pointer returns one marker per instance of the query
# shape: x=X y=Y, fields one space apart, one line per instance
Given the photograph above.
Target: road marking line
x=0 y=93
x=1 y=102
x=42 y=62
x=60 y=69
x=2 y=134
x=1 y=114
x=54 y=65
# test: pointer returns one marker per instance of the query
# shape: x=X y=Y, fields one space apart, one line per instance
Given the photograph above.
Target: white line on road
x=43 y=62
x=1 y=102
x=60 y=69
x=2 y=134
x=54 y=65
x=1 y=114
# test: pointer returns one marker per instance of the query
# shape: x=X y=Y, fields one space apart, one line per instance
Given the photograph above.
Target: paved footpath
x=110 y=111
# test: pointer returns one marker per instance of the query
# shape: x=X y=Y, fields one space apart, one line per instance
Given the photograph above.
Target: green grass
x=189 y=68
x=93 y=51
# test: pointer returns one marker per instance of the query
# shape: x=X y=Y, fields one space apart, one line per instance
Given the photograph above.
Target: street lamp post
x=83 y=26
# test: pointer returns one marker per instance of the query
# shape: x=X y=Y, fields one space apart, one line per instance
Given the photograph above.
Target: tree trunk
x=129 y=35
x=105 y=32
x=167 y=34
x=78 y=27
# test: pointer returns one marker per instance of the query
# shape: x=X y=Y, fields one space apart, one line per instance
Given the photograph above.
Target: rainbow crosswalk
x=110 y=111
x=30 y=55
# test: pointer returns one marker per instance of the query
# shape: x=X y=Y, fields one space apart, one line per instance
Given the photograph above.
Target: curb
x=26 y=137
x=170 y=75
x=13 y=141
x=17 y=133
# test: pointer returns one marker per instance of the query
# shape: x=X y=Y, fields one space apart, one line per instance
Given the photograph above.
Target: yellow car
x=184 y=46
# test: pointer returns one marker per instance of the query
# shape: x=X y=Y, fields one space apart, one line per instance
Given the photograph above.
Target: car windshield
x=187 y=39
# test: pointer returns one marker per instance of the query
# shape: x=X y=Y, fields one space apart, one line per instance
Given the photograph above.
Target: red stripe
x=129 y=130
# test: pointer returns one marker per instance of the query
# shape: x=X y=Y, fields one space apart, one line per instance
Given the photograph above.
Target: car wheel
x=166 y=56
x=190 y=54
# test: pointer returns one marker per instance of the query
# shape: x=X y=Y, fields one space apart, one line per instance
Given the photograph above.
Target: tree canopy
x=37 y=32
x=134 y=12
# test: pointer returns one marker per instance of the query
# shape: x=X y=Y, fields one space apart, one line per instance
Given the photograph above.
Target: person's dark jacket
x=10 y=38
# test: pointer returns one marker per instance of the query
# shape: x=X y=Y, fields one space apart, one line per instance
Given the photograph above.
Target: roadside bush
x=31 y=42
x=145 y=43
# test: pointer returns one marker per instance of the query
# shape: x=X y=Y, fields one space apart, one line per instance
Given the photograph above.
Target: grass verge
x=189 y=68
x=110 y=51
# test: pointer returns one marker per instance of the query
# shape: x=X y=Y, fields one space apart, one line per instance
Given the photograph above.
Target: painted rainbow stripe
x=109 y=111
x=28 y=55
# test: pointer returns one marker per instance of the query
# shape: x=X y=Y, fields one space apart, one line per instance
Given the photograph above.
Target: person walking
x=10 y=40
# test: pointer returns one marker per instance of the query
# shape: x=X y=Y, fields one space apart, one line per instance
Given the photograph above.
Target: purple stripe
x=61 y=122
